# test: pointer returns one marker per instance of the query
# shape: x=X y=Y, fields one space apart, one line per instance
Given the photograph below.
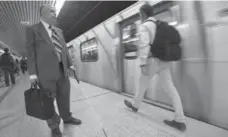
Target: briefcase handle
x=35 y=86
x=36 y=89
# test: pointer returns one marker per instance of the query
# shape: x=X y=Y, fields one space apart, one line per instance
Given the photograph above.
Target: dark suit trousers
x=62 y=99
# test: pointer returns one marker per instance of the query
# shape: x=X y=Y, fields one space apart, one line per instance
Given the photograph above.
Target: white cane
x=88 y=102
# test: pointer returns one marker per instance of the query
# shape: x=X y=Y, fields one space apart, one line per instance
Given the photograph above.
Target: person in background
x=7 y=63
x=23 y=65
x=49 y=64
x=151 y=67
x=17 y=68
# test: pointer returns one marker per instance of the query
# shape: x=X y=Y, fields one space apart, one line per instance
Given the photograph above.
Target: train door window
x=130 y=32
x=130 y=39
x=89 y=50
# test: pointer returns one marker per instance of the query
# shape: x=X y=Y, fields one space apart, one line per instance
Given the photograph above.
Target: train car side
x=199 y=76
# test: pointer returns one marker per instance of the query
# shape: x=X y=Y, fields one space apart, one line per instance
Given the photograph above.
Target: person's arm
x=144 y=45
x=30 y=47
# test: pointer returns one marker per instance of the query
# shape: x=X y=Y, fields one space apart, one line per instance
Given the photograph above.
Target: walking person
x=23 y=64
x=151 y=66
x=7 y=63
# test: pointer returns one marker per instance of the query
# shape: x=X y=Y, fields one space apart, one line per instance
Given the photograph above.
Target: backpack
x=166 y=45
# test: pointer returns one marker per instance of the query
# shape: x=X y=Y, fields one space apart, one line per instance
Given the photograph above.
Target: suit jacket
x=42 y=57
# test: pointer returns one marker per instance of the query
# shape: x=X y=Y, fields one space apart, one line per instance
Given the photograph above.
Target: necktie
x=55 y=41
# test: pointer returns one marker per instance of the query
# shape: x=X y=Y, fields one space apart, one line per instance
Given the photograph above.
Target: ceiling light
x=59 y=4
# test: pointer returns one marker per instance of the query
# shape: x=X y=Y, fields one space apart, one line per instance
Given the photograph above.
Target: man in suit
x=48 y=64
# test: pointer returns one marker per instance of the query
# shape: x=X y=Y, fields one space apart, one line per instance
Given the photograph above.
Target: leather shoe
x=73 y=121
x=56 y=132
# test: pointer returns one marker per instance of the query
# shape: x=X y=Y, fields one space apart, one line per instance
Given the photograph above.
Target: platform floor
x=97 y=108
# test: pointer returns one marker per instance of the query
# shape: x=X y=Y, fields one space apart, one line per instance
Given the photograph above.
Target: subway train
x=200 y=77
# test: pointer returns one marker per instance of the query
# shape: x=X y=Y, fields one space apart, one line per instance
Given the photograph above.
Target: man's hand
x=74 y=71
x=35 y=83
x=34 y=80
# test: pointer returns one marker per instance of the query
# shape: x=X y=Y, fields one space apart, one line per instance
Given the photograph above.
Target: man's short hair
x=6 y=50
x=147 y=9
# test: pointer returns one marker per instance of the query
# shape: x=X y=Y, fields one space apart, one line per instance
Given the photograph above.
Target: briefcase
x=38 y=104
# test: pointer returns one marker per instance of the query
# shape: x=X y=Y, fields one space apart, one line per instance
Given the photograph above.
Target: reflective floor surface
x=100 y=110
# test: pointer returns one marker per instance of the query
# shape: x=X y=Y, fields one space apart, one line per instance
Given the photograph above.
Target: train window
x=130 y=32
x=89 y=50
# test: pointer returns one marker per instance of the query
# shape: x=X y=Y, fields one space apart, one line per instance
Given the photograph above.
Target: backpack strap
x=148 y=30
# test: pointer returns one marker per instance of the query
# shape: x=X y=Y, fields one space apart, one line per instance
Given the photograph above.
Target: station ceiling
x=75 y=18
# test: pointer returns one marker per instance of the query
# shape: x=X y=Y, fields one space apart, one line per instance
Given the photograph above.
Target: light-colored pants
x=162 y=70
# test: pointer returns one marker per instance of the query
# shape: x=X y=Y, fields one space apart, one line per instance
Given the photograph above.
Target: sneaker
x=129 y=105
x=177 y=125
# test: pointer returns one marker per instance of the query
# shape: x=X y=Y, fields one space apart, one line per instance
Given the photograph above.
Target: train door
x=130 y=41
x=130 y=64
x=216 y=27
